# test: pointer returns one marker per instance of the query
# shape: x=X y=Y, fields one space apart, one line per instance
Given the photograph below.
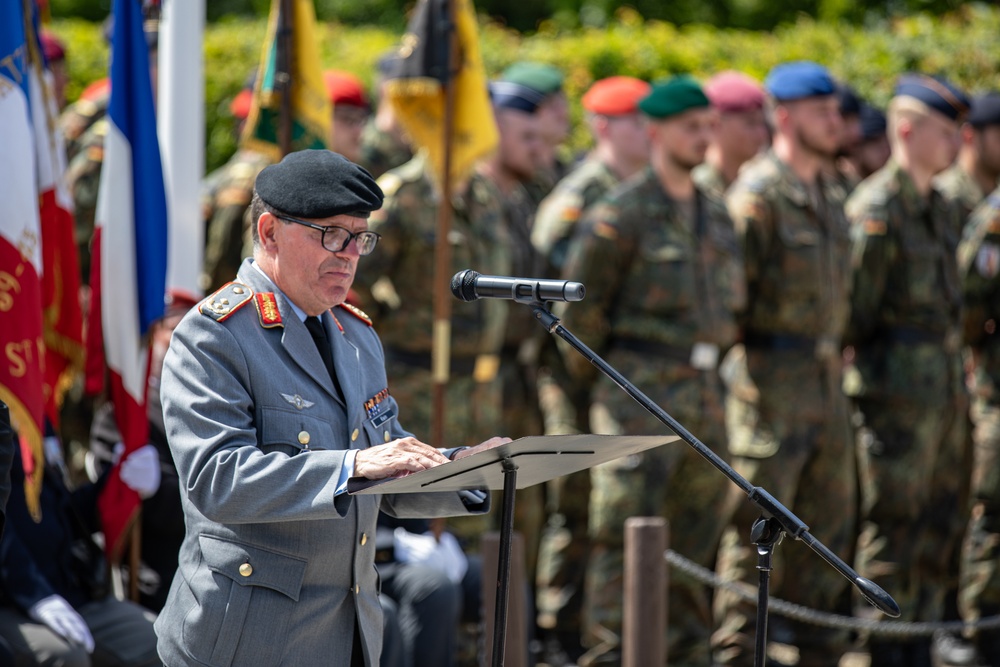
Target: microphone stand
x=768 y=530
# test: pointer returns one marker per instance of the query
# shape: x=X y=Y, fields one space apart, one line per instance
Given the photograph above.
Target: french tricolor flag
x=131 y=244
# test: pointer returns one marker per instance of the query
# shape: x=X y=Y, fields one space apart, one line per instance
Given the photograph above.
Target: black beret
x=850 y=103
x=873 y=123
x=509 y=95
x=985 y=110
x=936 y=93
x=318 y=184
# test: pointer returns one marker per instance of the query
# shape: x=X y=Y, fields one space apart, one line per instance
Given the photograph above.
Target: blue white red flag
x=131 y=239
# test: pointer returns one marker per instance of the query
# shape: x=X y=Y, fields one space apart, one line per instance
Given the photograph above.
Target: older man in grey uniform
x=274 y=395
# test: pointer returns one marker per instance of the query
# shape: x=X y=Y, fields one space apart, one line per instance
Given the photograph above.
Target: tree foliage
x=964 y=45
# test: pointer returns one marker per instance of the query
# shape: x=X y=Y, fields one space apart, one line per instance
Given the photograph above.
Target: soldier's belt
x=824 y=347
x=702 y=356
x=950 y=341
x=422 y=360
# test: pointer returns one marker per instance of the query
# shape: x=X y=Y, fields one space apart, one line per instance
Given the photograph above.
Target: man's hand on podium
x=481 y=447
x=396 y=458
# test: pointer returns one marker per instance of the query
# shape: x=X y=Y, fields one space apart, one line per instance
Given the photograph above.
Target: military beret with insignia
x=985 y=110
x=799 y=80
x=935 y=92
x=673 y=96
x=318 y=184
x=734 y=92
x=545 y=79
x=615 y=96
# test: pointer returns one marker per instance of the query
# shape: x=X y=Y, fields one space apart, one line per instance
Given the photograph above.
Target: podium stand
x=515 y=465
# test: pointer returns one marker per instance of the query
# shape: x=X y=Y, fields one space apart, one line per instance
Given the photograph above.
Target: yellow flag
x=312 y=118
x=416 y=88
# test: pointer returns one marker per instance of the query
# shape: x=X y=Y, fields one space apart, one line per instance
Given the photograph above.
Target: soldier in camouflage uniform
x=661 y=263
x=620 y=150
x=787 y=419
x=979 y=266
x=383 y=145
x=395 y=285
x=976 y=173
x=907 y=379
x=740 y=131
x=77 y=118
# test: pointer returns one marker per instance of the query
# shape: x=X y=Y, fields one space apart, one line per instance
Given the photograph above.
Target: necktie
x=318 y=333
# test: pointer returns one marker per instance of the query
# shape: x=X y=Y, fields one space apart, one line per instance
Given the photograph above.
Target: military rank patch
x=230 y=298
x=988 y=260
x=357 y=312
x=571 y=214
x=373 y=406
x=874 y=227
x=267 y=310
x=605 y=231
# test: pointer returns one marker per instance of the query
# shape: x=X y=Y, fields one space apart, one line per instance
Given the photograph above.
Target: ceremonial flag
x=312 y=116
x=131 y=248
x=21 y=339
x=61 y=315
x=416 y=87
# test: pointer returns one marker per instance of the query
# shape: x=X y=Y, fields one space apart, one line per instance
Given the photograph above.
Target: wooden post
x=644 y=622
x=516 y=648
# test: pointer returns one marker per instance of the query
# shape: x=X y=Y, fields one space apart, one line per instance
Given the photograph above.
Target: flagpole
x=441 y=352
x=283 y=75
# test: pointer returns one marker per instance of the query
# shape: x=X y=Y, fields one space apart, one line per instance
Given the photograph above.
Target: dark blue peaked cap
x=799 y=80
x=935 y=92
x=985 y=110
x=510 y=95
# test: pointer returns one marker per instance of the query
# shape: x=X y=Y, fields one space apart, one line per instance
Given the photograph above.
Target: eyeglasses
x=340 y=237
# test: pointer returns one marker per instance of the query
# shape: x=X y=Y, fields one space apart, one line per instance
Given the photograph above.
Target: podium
x=511 y=466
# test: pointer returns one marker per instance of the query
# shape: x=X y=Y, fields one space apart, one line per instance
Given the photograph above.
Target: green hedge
x=965 y=46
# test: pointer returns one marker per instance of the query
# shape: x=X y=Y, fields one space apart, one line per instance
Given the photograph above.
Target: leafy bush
x=964 y=45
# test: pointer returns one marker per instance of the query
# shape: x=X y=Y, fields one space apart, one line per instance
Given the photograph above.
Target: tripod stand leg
x=766 y=533
x=503 y=567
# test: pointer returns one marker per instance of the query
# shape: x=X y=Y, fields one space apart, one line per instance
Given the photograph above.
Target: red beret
x=734 y=92
x=52 y=47
x=345 y=88
x=240 y=106
x=615 y=96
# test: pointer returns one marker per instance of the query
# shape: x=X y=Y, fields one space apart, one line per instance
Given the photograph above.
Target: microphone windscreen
x=463 y=285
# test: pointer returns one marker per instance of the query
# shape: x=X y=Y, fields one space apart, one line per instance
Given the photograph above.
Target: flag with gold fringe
x=416 y=87
x=311 y=113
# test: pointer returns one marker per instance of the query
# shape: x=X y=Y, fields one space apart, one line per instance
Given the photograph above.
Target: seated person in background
x=54 y=609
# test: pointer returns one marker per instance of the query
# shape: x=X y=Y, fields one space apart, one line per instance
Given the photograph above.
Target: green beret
x=673 y=96
x=318 y=184
x=546 y=79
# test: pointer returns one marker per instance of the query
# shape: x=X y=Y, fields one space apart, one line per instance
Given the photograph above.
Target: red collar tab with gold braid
x=226 y=301
x=267 y=310
x=357 y=312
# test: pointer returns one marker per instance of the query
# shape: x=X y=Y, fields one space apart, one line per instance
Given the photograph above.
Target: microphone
x=468 y=285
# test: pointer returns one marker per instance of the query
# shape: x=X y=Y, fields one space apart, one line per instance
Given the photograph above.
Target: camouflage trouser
x=809 y=466
x=915 y=463
x=565 y=545
x=980 y=594
x=673 y=482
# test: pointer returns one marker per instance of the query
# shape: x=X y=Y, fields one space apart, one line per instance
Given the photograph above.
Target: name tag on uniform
x=704 y=356
x=383 y=417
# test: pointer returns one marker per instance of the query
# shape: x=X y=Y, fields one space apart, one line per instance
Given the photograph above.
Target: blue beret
x=508 y=95
x=798 y=80
x=985 y=110
x=318 y=184
x=936 y=93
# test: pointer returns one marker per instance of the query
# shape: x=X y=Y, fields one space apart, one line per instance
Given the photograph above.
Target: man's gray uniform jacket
x=275 y=569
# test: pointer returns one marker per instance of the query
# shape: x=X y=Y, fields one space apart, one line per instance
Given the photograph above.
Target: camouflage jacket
x=710 y=179
x=796 y=249
x=906 y=298
x=653 y=275
x=558 y=214
x=396 y=281
x=83 y=177
x=956 y=184
x=226 y=194
x=979 y=266
x=381 y=151
x=518 y=220
x=80 y=116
